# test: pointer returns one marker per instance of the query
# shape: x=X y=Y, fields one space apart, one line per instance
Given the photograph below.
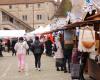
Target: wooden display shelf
x=93 y=69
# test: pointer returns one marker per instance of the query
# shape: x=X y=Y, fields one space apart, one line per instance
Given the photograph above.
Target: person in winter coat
x=29 y=42
x=83 y=60
x=67 y=56
x=1 y=55
x=37 y=49
x=59 y=55
x=14 y=41
x=21 y=47
x=8 y=44
x=48 y=46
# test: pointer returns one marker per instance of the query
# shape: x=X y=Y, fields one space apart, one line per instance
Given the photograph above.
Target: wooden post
x=99 y=38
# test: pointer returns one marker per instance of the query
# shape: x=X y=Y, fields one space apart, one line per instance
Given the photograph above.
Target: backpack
x=37 y=47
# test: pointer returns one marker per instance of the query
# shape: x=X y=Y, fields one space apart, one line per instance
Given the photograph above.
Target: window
x=10 y=6
x=11 y=20
x=48 y=17
x=39 y=5
x=39 y=17
x=6 y=29
x=24 y=17
x=27 y=5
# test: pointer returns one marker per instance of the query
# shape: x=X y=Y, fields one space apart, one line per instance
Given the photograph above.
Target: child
x=21 y=46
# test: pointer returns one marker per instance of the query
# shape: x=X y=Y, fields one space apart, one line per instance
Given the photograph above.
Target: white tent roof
x=53 y=26
x=39 y=30
x=12 y=33
x=47 y=28
x=61 y=22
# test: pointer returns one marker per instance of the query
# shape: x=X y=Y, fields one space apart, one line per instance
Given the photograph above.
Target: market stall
x=93 y=66
x=12 y=33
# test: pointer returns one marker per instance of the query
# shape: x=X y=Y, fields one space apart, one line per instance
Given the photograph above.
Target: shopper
x=29 y=42
x=67 y=47
x=14 y=41
x=21 y=47
x=83 y=60
x=1 y=48
x=67 y=56
x=8 y=45
x=59 y=55
x=37 y=49
x=48 y=46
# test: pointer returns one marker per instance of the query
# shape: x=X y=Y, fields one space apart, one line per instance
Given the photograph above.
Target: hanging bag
x=88 y=44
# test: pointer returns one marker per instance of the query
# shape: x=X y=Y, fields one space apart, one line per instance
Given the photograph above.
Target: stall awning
x=80 y=24
x=12 y=33
x=76 y=24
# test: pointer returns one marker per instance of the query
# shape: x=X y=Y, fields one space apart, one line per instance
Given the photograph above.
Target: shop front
x=94 y=61
x=93 y=65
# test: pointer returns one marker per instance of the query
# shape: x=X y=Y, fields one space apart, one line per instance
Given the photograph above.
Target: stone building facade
x=34 y=13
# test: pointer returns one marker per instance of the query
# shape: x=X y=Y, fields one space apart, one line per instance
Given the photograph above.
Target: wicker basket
x=88 y=44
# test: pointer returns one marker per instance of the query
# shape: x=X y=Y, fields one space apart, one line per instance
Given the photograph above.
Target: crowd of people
x=62 y=53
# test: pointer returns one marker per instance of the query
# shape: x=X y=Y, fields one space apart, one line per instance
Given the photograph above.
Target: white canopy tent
x=47 y=28
x=12 y=33
x=40 y=30
x=59 y=23
x=53 y=26
x=37 y=31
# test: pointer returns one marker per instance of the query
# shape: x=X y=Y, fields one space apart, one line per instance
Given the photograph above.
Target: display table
x=93 y=69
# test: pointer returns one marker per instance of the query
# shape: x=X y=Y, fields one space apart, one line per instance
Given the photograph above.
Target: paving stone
x=9 y=69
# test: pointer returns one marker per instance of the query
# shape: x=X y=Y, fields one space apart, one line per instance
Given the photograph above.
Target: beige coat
x=59 y=53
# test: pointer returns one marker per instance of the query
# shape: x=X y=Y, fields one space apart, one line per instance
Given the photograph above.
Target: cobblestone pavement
x=9 y=69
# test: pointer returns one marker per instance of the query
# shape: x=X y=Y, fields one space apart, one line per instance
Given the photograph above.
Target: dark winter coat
x=37 y=47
